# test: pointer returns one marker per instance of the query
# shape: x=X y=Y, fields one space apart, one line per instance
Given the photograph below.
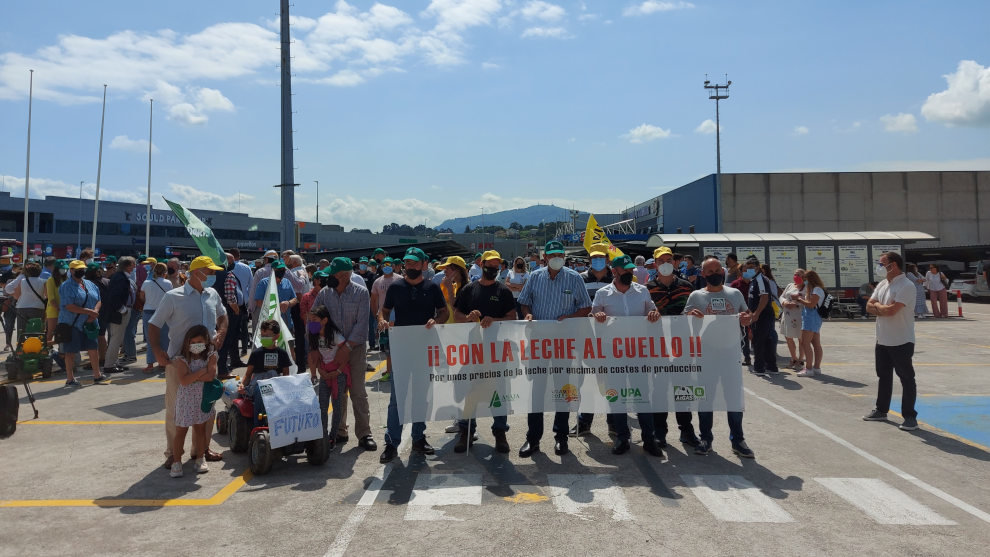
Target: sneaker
x=910 y=424
x=200 y=466
x=580 y=430
x=806 y=372
x=875 y=416
x=743 y=450
x=703 y=448
x=176 y=471
x=453 y=428
x=73 y=383
x=818 y=371
x=128 y=360
x=385 y=378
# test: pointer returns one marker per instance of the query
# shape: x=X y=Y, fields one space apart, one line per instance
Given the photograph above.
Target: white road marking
x=735 y=499
x=575 y=494
x=883 y=503
x=962 y=505
x=435 y=490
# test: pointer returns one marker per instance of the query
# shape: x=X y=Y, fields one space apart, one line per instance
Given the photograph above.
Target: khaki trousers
x=358 y=395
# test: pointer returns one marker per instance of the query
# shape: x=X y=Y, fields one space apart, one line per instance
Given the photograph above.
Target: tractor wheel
x=221 y=422
x=260 y=453
x=239 y=430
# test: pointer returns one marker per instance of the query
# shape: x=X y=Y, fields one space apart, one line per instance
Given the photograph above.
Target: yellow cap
x=453 y=260
x=489 y=255
x=151 y=260
x=76 y=264
x=598 y=250
x=662 y=250
x=204 y=262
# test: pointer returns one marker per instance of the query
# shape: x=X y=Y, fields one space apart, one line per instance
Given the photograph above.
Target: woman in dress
x=790 y=321
x=920 y=310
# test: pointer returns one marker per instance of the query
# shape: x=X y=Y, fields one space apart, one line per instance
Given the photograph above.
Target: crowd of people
x=199 y=320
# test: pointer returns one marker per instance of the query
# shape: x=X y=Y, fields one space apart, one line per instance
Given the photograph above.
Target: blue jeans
x=499 y=423
x=620 y=421
x=162 y=340
x=706 y=419
x=339 y=405
x=393 y=430
x=130 y=333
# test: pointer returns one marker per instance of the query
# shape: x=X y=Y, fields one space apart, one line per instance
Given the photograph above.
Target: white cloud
x=125 y=143
x=645 y=133
x=42 y=187
x=801 y=130
x=458 y=15
x=545 y=33
x=344 y=78
x=903 y=122
x=544 y=11
x=653 y=6
x=966 y=101
x=490 y=66
x=707 y=127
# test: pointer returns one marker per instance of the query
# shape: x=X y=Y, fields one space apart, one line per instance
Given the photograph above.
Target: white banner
x=293 y=409
x=626 y=364
x=270 y=310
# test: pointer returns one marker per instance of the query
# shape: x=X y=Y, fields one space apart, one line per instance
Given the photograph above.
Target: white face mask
x=557 y=263
x=880 y=270
x=197 y=347
x=666 y=269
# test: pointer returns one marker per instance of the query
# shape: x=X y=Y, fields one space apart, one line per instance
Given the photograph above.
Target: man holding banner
x=554 y=293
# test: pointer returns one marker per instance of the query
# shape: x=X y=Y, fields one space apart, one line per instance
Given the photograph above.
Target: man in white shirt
x=474 y=273
x=893 y=304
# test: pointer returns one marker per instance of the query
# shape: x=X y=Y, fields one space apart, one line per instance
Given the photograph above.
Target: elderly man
x=349 y=306
x=195 y=303
x=302 y=286
x=554 y=293
x=117 y=309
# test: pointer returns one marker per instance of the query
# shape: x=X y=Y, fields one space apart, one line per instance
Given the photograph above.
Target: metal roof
x=909 y=236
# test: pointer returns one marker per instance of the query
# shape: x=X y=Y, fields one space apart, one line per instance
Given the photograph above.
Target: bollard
x=959 y=302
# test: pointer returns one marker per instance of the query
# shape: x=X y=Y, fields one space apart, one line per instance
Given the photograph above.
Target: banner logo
x=611 y=395
x=688 y=393
x=567 y=393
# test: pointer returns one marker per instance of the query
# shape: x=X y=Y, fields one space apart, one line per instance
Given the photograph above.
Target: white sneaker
x=200 y=465
x=806 y=372
x=454 y=427
x=817 y=370
x=176 y=471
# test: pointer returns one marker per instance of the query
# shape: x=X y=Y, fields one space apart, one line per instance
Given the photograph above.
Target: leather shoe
x=422 y=446
x=342 y=438
x=528 y=449
x=388 y=454
x=213 y=456
x=622 y=447
x=653 y=449
x=367 y=443
x=462 y=442
x=691 y=441
x=560 y=447
x=501 y=443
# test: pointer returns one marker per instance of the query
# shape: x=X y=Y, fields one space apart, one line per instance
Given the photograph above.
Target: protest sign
x=292 y=408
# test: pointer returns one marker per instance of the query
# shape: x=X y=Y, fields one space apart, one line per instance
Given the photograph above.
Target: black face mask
x=331 y=282
x=280 y=273
x=79 y=273
x=269 y=261
x=715 y=279
x=520 y=267
x=413 y=273
x=626 y=279
x=489 y=272
x=171 y=271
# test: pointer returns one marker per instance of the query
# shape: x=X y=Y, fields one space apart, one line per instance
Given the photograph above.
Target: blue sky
x=414 y=111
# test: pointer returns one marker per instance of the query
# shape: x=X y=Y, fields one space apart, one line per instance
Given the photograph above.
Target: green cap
x=415 y=254
x=363 y=260
x=278 y=264
x=372 y=262
x=379 y=250
x=553 y=246
x=387 y=261
x=61 y=264
x=623 y=262
x=477 y=255
x=111 y=259
x=341 y=264
x=93 y=265
x=321 y=274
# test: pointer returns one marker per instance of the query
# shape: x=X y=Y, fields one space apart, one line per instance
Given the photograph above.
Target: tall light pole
x=27 y=172
x=718 y=93
x=317 y=203
x=79 y=227
x=482 y=229
x=99 y=168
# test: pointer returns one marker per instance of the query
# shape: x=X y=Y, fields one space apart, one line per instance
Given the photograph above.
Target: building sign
x=784 y=259
x=854 y=266
x=821 y=259
x=718 y=251
x=745 y=251
x=247 y=244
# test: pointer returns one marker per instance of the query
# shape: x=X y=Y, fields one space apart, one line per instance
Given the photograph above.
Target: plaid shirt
x=670 y=300
x=349 y=310
x=230 y=290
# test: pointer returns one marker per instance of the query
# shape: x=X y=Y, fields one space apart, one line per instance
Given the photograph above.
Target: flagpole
x=147 y=220
x=99 y=168
x=27 y=171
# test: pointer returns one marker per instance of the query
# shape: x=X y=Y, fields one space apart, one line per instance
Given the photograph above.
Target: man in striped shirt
x=556 y=293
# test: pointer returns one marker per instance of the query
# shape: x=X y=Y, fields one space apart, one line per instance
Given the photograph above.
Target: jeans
x=372 y=331
x=162 y=340
x=764 y=347
x=896 y=359
x=130 y=335
x=683 y=423
x=393 y=431
x=228 y=350
x=499 y=423
x=299 y=331
x=706 y=419
x=339 y=404
x=745 y=343
x=620 y=421
x=535 y=426
x=862 y=304
x=243 y=333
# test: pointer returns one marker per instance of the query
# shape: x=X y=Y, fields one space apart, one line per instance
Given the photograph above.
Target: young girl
x=324 y=339
x=196 y=364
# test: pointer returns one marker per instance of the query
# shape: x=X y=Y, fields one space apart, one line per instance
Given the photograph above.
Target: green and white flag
x=270 y=310
x=201 y=234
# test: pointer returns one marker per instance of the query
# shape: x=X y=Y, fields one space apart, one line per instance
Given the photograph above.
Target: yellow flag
x=594 y=234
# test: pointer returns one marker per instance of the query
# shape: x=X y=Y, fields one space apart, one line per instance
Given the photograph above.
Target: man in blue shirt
x=553 y=292
x=286 y=294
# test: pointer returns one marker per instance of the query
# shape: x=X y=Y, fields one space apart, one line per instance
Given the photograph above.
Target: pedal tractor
x=32 y=354
x=238 y=422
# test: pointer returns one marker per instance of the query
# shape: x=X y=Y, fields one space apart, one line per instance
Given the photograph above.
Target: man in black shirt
x=416 y=302
x=485 y=302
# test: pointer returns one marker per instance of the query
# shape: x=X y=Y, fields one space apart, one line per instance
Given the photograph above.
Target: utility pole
x=27 y=172
x=718 y=93
x=79 y=227
x=317 y=202
x=288 y=180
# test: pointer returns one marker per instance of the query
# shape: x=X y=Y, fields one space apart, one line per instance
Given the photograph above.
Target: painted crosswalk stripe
x=735 y=499
x=579 y=494
x=882 y=502
x=437 y=490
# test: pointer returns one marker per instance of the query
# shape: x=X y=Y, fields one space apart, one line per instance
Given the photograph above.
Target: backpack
x=9 y=405
x=773 y=304
x=825 y=305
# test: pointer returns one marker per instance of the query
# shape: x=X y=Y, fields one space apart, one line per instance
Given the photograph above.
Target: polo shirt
x=593 y=283
x=414 y=304
x=634 y=301
x=550 y=298
x=897 y=329
x=183 y=308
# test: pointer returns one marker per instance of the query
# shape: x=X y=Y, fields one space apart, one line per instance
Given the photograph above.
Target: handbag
x=63 y=331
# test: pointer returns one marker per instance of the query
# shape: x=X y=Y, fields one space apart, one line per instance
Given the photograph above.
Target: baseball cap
x=489 y=255
x=363 y=260
x=76 y=264
x=151 y=260
x=553 y=246
x=61 y=263
x=623 y=262
x=379 y=250
x=477 y=255
x=453 y=260
x=271 y=253
x=662 y=250
x=650 y=261
x=387 y=261
x=278 y=264
x=321 y=274
x=341 y=264
x=415 y=254
x=204 y=262
x=372 y=262
x=598 y=250
x=111 y=259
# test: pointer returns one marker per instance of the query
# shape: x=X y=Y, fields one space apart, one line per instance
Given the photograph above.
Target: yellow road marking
x=370 y=374
x=522 y=497
x=108 y=422
x=950 y=435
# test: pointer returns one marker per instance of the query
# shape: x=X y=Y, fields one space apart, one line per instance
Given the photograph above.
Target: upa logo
x=688 y=393
x=567 y=393
x=631 y=394
x=497 y=400
x=611 y=395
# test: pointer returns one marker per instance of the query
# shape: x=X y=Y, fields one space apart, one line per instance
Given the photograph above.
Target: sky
x=415 y=111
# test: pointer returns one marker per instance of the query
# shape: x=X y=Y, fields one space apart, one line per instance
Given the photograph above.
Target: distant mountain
x=527 y=216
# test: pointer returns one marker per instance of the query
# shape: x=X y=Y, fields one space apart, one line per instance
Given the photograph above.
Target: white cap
x=271 y=253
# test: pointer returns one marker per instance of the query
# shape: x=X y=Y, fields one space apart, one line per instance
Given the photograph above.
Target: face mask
x=520 y=266
x=626 y=279
x=683 y=265
x=269 y=261
x=652 y=273
x=197 y=347
x=579 y=268
x=557 y=263
x=79 y=273
x=413 y=273
x=666 y=269
x=208 y=282
x=715 y=279
x=880 y=270
x=314 y=327
x=89 y=261
x=489 y=272
x=61 y=272
x=534 y=264
x=598 y=263
x=363 y=267
x=387 y=270
x=267 y=342
x=798 y=280
x=749 y=274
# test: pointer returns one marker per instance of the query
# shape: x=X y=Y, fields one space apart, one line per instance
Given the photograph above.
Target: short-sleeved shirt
x=549 y=299
x=474 y=273
x=670 y=299
x=380 y=287
x=634 y=301
x=759 y=286
x=414 y=304
x=728 y=301
x=267 y=363
x=72 y=293
x=184 y=307
x=897 y=329
x=154 y=290
x=285 y=293
x=493 y=300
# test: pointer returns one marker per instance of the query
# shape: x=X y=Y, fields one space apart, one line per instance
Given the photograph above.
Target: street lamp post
x=317 y=204
x=79 y=228
x=718 y=93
